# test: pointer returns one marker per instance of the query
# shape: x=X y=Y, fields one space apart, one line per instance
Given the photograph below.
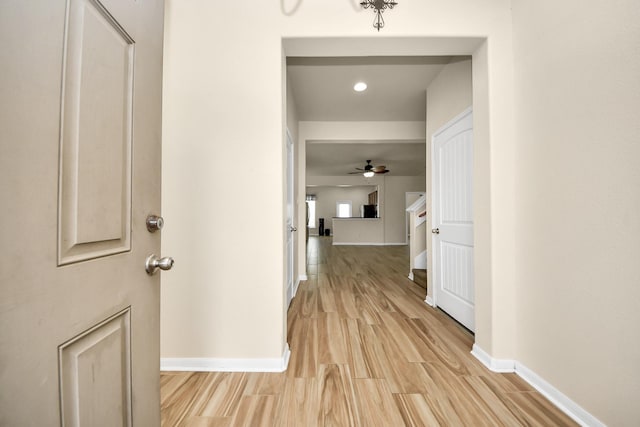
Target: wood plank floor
x=365 y=351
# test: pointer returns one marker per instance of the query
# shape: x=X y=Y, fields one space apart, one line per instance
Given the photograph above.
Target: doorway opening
x=314 y=131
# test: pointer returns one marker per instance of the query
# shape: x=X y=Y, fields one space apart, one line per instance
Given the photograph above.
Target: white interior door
x=452 y=168
x=290 y=227
x=80 y=171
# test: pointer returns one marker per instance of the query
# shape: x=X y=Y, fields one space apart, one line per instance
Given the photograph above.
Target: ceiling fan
x=370 y=170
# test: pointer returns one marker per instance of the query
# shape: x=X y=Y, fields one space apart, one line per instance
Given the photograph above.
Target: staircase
x=420 y=277
x=418 y=243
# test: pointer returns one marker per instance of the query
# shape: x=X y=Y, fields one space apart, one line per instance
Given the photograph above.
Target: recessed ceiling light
x=360 y=86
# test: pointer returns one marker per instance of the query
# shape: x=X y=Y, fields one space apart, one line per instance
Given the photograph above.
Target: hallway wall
x=577 y=93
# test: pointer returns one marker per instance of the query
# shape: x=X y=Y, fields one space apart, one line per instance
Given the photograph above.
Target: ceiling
x=323 y=87
x=340 y=158
x=323 y=91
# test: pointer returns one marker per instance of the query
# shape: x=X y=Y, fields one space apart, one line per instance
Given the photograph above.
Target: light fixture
x=368 y=174
x=378 y=7
x=360 y=87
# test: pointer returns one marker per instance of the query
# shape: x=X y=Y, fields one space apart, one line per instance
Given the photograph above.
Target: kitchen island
x=358 y=231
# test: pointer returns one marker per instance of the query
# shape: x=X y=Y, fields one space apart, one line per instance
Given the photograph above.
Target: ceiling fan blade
x=370 y=168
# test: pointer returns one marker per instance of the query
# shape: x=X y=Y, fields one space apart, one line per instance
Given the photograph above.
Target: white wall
x=577 y=98
x=327 y=197
x=223 y=137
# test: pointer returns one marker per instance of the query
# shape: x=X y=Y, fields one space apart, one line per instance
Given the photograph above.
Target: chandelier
x=378 y=7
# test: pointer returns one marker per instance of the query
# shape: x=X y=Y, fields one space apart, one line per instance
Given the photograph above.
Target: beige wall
x=577 y=98
x=395 y=206
x=223 y=134
x=448 y=95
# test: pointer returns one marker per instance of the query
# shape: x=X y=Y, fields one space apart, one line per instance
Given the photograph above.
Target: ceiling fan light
x=360 y=87
x=368 y=174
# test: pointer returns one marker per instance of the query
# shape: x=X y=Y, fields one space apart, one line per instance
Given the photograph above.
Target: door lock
x=435 y=231
x=154 y=223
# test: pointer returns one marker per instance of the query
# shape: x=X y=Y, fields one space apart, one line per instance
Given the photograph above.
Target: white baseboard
x=301 y=278
x=410 y=276
x=204 y=364
x=561 y=401
x=429 y=301
x=566 y=405
x=495 y=365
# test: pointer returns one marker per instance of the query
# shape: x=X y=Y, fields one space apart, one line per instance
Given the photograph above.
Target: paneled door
x=80 y=172
x=452 y=168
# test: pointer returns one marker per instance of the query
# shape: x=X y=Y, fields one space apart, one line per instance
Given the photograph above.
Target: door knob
x=154 y=263
x=154 y=223
x=292 y=228
x=435 y=231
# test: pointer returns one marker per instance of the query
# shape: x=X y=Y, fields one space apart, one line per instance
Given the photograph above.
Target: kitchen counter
x=352 y=217
x=358 y=231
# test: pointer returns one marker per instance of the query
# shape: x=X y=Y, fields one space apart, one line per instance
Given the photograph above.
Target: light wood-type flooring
x=365 y=351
